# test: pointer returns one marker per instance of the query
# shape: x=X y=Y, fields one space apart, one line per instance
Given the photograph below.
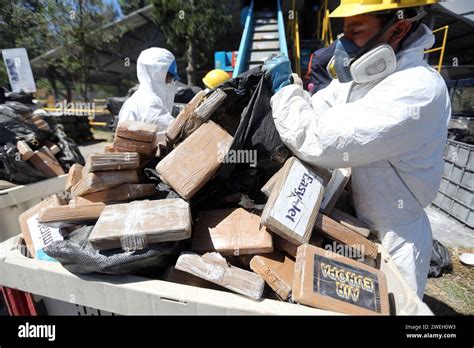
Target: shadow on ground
x=92 y=142
x=438 y=307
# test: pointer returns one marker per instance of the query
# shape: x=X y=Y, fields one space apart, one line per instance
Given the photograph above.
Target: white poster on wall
x=19 y=70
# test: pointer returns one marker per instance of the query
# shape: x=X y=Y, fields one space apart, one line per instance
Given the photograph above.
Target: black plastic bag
x=114 y=104
x=70 y=153
x=14 y=170
x=255 y=128
x=184 y=94
x=77 y=255
x=440 y=260
x=12 y=129
x=22 y=97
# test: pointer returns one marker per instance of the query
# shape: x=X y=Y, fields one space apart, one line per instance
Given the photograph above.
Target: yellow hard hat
x=215 y=77
x=349 y=8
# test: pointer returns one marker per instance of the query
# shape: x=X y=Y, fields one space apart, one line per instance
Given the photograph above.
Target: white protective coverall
x=153 y=100
x=392 y=133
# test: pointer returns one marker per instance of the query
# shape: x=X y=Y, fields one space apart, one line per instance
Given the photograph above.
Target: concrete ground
x=448 y=230
x=103 y=138
x=92 y=147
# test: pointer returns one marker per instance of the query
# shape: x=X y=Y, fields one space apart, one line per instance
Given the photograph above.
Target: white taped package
x=214 y=268
x=133 y=226
x=294 y=202
x=334 y=188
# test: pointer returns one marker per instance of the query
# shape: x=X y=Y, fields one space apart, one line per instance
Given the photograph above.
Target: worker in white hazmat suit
x=385 y=117
x=153 y=101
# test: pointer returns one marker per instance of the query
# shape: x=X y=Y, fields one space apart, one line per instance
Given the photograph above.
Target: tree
x=78 y=28
x=191 y=26
x=22 y=24
x=129 y=6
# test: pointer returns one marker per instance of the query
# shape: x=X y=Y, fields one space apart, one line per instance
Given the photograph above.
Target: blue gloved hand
x=278 y=69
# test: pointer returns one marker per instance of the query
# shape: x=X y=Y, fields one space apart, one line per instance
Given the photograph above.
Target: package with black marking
x=294 y=202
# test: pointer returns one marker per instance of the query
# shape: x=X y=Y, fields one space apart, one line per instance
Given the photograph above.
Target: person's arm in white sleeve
x=389 y=121
x=325 y=98
x=127 y=112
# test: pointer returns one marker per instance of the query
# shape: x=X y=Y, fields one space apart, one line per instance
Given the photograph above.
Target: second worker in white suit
x=153 y=100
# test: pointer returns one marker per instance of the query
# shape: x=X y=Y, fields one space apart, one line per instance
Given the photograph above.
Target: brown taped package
x=200 y=114
x=70 y=215
x=334 y=188
x=113 y=161
x=230 y=232
x=294 y=201
x=134 y=130
x=174 y=130
x=333 y=282
x=214 y=268
x=277 y=270
x=350 y=222
x=44 y=231
x=98 y=181
x=122 y=193
x=176 y=276
x=282 y=244
x=193 y=163
x=74 y=176
x=79 y=201
x=109 y=148
x=45 y=162
x=340 y=233
x=55 y=149
x=129 y=145
x=25 y=150
x=135 y=225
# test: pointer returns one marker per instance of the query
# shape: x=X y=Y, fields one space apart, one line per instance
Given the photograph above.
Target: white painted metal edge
x=130 y=295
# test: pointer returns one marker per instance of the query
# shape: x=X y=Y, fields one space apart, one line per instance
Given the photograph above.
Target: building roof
x=109 y=63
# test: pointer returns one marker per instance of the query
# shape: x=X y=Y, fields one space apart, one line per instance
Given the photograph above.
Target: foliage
x=191 y=26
